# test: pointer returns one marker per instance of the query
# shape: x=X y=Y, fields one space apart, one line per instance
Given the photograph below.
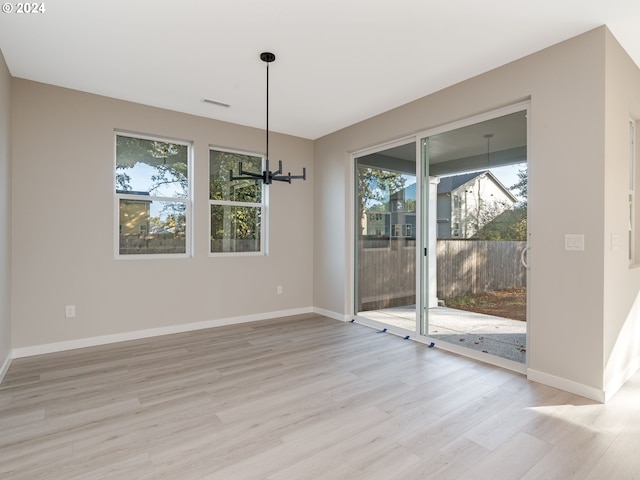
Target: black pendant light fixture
x=267 y=176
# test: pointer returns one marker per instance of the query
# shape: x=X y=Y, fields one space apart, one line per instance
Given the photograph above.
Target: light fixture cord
x=488 y=150
x=488 y=136
x=267 y=159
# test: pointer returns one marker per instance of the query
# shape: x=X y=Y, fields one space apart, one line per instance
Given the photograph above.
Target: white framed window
x=152 y=191
x=238 y=208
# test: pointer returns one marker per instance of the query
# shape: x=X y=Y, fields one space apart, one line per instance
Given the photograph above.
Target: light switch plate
x=574 y=242
x=615 y=242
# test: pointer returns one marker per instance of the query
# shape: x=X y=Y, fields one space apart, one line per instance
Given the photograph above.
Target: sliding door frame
x=422 y=233
x=351 y=297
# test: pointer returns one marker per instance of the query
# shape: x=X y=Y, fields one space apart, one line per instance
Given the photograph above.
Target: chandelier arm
x=289 y=177
x=282 y=178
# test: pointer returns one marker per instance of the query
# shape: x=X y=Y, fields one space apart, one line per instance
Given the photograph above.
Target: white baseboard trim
x=152 y=332
x=328 y=313
x=567 y=385
x=616 y=383
x=5 y=366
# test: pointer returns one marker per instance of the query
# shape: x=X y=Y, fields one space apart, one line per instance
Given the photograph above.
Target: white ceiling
x=338 y=61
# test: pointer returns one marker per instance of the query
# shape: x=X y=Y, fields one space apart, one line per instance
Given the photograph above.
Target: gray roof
x=448 y=184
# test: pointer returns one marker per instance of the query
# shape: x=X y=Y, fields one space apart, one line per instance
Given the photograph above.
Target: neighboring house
x=134 y=215
x=376 y=224
x=469 y=201
x=399 y=218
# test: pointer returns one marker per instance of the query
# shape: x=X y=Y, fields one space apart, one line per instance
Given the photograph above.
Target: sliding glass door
x=474 y=284
x=441 y=233
x=385 y=250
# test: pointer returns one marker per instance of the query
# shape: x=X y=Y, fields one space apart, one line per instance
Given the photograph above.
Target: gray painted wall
x=566 y=87
x=63 y=229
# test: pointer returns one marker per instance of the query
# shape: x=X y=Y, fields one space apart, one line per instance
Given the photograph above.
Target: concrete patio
x=497 y=336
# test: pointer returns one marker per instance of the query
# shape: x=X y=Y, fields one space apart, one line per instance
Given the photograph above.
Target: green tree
x=169 y=160
x=375 y=186
x=522 y=186
x=171 y=174
x=519 y=227
x=510 y=224
x=235 y=222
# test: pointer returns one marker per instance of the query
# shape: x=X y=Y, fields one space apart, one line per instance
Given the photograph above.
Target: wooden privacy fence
x=473 y=266
x=151 y=244
x=386 y=273
x=386 y=276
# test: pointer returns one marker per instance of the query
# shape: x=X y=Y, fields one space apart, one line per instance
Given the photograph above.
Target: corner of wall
x=329 y=314
x=570 y=386
x=5 y=217
x=621 y=312
x=5 y=366
x=616 y=383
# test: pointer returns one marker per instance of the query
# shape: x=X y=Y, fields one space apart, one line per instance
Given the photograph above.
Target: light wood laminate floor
x=301 y=398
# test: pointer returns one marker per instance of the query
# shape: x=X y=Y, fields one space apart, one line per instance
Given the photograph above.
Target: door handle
x=523 y=257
